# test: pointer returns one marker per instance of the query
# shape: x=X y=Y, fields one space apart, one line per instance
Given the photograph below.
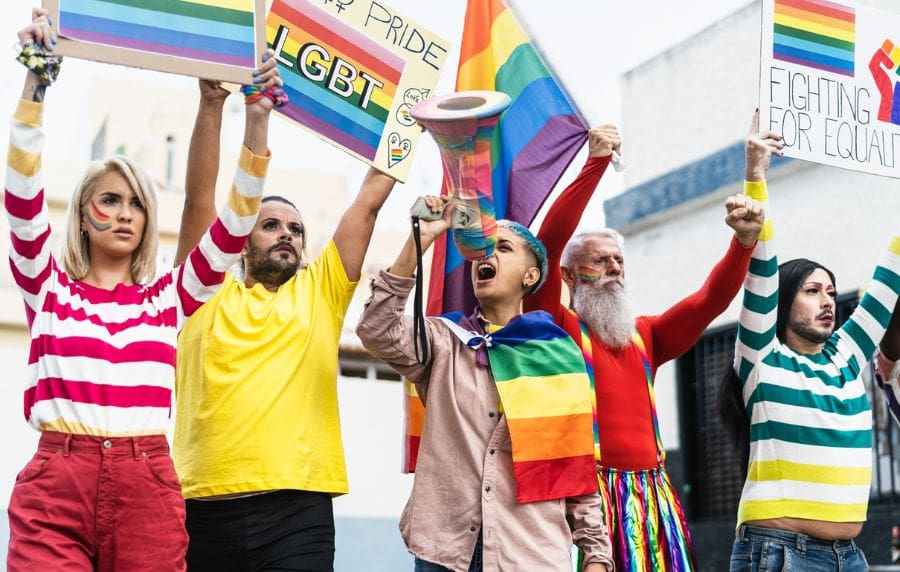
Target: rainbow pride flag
x=537 y=136
x=546 y=398
x=219 y=31
x=351 y=113
x=817 y=34
x=414 y=415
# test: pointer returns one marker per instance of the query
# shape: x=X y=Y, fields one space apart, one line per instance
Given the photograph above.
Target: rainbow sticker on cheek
x=98 y=219
x=589 y=274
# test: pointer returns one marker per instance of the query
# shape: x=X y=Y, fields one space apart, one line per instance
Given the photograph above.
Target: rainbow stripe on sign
x=817 y=34
x=356 y=120
x=205 y=30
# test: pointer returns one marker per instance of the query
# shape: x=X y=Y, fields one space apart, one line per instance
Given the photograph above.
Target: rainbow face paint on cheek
x=97 y=218
x=589 y=274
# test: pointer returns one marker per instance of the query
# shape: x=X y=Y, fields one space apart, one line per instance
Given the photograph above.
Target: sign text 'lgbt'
x=353 y=69
x=212 y=39
x=830 y=82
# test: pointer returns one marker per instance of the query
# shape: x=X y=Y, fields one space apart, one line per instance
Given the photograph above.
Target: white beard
x=604 y=307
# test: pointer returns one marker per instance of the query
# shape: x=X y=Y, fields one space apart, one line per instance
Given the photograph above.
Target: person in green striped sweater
x=810 y=423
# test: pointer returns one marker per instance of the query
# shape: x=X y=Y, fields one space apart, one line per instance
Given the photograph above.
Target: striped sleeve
x=26 y=209
x=201 y=274
x=864 y=328
x=759 y=310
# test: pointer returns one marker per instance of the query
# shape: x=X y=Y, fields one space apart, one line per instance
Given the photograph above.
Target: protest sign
x=830 y=82
x=213 y=39
x=353 y=69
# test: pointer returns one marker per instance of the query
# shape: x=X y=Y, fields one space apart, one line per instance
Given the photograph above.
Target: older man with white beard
x=643 y=513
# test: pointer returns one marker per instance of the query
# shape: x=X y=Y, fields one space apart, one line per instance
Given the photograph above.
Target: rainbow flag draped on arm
x=537 y=136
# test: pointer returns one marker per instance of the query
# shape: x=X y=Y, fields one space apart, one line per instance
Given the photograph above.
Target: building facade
x=686 y=113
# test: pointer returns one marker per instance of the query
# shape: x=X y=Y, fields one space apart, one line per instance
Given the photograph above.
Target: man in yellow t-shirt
x=257 y=432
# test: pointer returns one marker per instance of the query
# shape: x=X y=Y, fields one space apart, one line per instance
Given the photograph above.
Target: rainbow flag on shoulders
x=545 y=394
x=817 y=34
x=546 y=397
x=536 y=139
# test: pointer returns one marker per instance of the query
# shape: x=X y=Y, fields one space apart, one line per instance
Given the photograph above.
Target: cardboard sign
x=830 y=83
x=353 y=69
x=212 y=39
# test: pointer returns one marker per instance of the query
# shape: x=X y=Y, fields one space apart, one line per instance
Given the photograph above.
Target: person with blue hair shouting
x=505 y=475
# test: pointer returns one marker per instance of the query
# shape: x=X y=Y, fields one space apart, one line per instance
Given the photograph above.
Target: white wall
x=372 y=426
x=18 y=441
x=693 y=99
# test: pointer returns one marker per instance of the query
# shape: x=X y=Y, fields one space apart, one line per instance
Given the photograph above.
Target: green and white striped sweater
x=810 y=419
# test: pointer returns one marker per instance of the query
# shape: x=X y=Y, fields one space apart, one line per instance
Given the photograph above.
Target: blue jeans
x=474 y=566
x=770 y=550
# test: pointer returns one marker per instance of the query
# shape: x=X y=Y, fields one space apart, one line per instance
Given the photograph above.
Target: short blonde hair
x=77 y=252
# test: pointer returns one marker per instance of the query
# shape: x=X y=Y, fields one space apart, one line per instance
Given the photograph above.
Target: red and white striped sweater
x=102 y=362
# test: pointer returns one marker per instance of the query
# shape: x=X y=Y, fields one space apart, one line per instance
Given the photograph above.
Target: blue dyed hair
x=534 y=245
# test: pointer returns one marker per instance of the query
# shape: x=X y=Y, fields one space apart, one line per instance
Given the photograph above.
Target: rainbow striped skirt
x=645 y=521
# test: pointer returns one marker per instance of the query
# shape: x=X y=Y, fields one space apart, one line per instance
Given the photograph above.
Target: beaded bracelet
x=252 y=94
x=42 y=63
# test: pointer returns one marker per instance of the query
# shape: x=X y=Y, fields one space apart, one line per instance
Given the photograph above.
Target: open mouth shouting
x=485 y=271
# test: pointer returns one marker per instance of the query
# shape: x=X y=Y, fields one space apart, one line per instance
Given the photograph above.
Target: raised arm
x=202 y=169
x=678 y=328
x=354 y=232
x=24 y=201
x=564 y=215
x=759 y=310
x=203 y=270
x=868 y=324
x=383 y=328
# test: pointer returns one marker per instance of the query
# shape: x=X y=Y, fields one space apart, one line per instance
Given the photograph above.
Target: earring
x=84 y=233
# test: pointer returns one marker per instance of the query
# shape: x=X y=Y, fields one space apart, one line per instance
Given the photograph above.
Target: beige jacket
x=464 y=477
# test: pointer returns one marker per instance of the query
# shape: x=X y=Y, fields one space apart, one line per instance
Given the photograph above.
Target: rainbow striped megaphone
x=462 y=125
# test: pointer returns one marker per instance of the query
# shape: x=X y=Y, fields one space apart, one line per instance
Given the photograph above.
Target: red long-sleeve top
x=624 y=423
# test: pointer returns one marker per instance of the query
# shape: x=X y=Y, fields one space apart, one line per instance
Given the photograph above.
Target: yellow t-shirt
x=256 y=386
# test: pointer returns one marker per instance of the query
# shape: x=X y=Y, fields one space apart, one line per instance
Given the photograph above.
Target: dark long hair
x=791 y=276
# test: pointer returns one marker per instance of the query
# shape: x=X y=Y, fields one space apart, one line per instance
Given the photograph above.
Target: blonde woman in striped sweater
x=101 y=492
x=810 y=423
